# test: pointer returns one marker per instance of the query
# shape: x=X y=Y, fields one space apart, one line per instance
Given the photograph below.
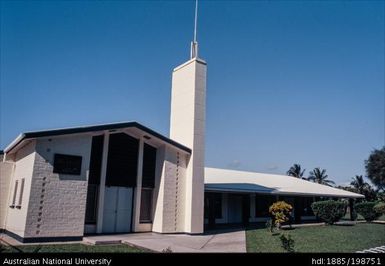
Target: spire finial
x=194 y=43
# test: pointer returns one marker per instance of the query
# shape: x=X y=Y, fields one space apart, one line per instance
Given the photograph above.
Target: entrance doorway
x=117 y=214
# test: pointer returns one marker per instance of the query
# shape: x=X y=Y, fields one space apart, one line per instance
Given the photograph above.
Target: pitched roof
x=241 y=181
x=85 y=129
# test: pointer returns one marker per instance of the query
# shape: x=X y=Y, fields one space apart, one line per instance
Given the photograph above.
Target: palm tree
x=296 y=171
x=359 y=184
x=319 y=176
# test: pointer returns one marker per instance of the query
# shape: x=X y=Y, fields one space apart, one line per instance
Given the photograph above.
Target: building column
x=252 y=207
x=351 y=207
x=102 y=186
x=138 y=189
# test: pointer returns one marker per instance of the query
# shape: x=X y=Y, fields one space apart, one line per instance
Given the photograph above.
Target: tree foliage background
x=375 y=168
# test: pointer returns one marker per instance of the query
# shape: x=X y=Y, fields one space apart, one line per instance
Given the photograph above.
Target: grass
x=70 y=248
x=332 y=238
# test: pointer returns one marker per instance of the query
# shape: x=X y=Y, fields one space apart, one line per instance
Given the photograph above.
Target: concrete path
x=373 y=250
x=230 y=241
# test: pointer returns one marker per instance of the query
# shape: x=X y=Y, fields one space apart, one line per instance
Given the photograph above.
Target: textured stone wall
x=57 y=202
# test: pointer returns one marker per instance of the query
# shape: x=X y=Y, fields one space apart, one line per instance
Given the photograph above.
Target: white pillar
x=102 y=186
x=138 y=189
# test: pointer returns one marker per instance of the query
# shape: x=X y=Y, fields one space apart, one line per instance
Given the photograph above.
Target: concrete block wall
x=57 y=202
x=170 y=192
x=170 y=215
x=182 y=162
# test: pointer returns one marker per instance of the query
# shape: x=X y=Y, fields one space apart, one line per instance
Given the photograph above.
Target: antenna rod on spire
x=196 y=20
x=194 y=43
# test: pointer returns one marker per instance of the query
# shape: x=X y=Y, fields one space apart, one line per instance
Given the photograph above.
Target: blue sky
x=288 y=81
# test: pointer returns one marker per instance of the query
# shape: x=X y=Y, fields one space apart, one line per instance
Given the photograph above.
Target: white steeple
x=187 y=126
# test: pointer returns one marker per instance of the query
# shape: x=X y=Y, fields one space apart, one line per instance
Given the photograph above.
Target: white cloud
x=235 y=164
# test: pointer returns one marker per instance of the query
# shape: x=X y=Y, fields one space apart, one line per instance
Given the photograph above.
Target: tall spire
x=194 y=43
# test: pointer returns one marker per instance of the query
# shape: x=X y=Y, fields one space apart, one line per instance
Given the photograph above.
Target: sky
x=288 y=81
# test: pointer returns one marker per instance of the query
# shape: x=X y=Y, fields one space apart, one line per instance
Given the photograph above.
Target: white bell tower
x=187 y=126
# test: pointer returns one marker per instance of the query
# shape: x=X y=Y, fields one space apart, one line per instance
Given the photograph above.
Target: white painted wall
x=187 y=126
x=23 y=168
x=6 y=169
x=57 y=203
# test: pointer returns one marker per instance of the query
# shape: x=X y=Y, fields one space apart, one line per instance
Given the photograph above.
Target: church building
x=62 y=184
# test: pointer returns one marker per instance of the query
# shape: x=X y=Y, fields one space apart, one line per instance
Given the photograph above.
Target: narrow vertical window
x=21 y=193
x=14 y=194
x=146 y=205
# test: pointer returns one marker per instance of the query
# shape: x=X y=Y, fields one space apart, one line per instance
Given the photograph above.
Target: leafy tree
x=319 y=176
x=296 y=171
x=368 y=191
x=375 y=168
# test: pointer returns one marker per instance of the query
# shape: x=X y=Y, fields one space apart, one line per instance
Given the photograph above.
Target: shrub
x=366 y=209
x=287 y=242
x=280 y=211
x=379 y=208
x=269 y=225
x=330 y=211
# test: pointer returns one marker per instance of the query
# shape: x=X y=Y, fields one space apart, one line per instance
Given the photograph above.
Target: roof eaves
x=85 y=129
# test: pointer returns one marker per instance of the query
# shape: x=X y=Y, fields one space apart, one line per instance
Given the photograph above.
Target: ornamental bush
x=379 y=208
x=287 y=243
x=330 y=211
x=366 y=209
x=280 y=212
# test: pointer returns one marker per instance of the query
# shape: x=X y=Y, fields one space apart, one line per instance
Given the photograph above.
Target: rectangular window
x=262 y=204
x=21 y=193
x=307 y=210
x=149 y=164
x=218 y=205
x=146 y=206
x=96 y=160
x=216 y=200
x=67 y=164
x=122 y=160
x=14 y=194
x=91 y=204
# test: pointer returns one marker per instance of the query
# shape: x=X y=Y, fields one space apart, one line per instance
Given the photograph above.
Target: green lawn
x=70 y=248
x=334 y=238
